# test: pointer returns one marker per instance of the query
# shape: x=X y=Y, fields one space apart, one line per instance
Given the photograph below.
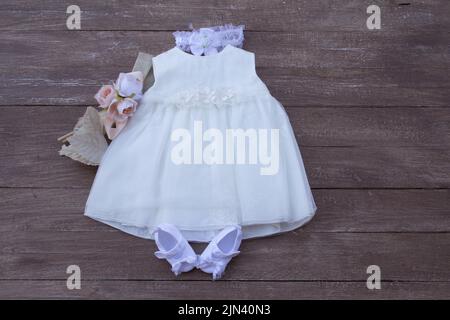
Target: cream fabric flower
x=204 y=42
x=129 y=85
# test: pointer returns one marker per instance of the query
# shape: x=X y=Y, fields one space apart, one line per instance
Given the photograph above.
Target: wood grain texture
x=358 y=127
x=31 y=210
x=307 y=69
x=297 y=255
x=205 y=290
x=258 y=15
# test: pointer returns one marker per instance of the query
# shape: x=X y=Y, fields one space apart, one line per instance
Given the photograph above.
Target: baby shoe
x=220 y=251
x=174 y=248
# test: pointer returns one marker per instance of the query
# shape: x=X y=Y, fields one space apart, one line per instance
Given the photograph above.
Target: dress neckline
x=226 y=48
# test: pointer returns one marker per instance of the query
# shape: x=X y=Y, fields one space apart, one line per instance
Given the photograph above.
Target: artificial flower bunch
x=120 y=101
x=209 y=41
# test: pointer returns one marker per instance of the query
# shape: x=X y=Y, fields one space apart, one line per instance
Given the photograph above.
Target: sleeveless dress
x=217 y=106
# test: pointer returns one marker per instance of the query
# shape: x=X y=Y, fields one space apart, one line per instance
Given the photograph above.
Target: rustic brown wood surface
x=370 y=110
x=307 y=68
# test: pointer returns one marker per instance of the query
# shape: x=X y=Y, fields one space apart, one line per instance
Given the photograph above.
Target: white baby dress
x=174 y=162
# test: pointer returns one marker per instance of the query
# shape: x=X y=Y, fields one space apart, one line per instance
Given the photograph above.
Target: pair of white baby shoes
x=176 y=250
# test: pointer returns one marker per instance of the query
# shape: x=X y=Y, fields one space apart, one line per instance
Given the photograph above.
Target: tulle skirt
x=141 y=183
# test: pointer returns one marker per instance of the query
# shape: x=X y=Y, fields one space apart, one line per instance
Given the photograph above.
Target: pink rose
x=127 y=107
x=114 y=122
x=105 y=96
x=122 y=109
x=117 y=116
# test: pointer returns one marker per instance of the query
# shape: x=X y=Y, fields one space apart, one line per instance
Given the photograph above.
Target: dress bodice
x=185 y=79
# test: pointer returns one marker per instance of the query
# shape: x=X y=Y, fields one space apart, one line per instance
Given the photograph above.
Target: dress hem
x=250 y=229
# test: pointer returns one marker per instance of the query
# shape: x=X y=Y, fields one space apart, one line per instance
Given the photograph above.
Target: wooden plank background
x=370 y=110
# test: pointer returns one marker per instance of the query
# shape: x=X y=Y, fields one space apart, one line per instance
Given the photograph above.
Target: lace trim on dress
x=206 y=97
x=207 y=41
x=203 y=98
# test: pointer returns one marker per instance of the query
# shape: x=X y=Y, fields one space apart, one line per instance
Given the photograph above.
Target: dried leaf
x=88 y=143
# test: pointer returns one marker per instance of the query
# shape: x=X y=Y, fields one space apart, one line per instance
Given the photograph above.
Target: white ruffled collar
x=211 y=40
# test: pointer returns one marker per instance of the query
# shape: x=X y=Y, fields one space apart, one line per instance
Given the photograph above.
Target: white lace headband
x=207 y=41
